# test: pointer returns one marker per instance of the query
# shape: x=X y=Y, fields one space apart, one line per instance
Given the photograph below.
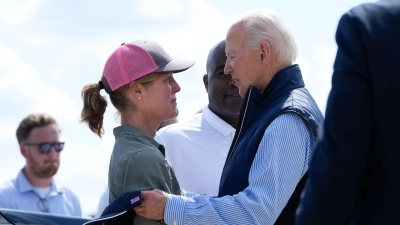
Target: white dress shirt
x=197 y=150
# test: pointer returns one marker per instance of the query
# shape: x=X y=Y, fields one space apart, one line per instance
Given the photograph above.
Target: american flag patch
x=135 y=199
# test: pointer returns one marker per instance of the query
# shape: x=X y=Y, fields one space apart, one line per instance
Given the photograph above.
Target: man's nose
x=227 y=68
x=52 y=150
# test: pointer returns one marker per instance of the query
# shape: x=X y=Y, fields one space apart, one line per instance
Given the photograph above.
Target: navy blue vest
x=284 y=94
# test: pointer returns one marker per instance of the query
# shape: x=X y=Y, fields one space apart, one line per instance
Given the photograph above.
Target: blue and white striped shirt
x=281 y=160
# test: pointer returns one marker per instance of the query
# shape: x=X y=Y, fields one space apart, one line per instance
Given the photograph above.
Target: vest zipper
x=244 y=116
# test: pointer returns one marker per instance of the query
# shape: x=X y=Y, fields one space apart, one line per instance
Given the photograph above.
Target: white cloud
x=6 y=127
x=19 y=79
x=16 y=12
x=317 y=71
x=305 y=66
x=160 y=9
x=324 y=54
x=33 y=40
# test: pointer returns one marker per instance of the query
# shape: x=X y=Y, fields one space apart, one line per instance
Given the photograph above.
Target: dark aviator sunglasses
x=45 y=147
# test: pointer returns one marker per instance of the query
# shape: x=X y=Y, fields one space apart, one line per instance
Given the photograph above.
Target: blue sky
x=50 y=49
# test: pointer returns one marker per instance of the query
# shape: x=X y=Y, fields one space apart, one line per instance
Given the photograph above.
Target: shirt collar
x=25 y=186
x=142 y=137
x=217 y=123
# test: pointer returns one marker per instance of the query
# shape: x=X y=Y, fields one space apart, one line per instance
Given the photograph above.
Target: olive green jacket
x=138 y=163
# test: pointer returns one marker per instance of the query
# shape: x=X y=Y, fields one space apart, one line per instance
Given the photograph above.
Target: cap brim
x=101 y=219
x=176 y=66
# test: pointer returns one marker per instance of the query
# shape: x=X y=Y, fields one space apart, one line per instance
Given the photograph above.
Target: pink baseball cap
x=136 y=59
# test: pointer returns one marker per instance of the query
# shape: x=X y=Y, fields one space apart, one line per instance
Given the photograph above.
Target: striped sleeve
x=280 y=162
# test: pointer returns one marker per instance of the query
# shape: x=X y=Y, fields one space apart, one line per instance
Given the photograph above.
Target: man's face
x=243 y=64
x=223 y=96
x=42 y=165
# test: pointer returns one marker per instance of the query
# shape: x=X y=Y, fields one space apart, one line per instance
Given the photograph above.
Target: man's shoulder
x=373 y=11
x=8 y=188
x=127 y=155
x=129 y=144
x=67 y=191
x=288 y=119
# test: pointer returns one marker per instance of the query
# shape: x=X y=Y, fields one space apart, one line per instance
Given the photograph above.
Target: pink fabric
x=126 y=64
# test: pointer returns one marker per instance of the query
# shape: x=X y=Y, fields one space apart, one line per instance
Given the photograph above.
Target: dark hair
x=31 y=122
x=94 y=104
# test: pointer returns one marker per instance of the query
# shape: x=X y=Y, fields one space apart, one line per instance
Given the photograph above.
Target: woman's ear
x=135 y=90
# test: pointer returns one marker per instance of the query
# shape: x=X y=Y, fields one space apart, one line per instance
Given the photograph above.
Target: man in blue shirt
x=264 y=172
x=34 y=189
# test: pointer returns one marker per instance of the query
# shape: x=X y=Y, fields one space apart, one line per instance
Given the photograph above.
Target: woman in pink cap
x=138 y=78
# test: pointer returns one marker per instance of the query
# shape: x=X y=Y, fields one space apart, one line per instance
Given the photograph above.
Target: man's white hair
x=267 y=25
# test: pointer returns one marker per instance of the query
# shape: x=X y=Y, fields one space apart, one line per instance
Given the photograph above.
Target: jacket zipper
x=244 y=116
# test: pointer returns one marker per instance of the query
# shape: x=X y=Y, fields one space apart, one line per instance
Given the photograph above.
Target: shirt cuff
x=189 y=194
x=175 y=209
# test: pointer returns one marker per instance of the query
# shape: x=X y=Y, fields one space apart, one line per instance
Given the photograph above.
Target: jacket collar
x=286 y=79
x=217 y=123
x=141 y=136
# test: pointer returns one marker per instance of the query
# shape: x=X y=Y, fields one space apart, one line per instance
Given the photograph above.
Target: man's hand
x=153 y=204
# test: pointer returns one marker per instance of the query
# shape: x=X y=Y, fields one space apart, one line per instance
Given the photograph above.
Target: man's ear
x=205 y=81
x=23 y=150
x=265 y=53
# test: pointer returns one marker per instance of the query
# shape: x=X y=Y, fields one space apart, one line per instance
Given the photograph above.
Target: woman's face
x=160 y=97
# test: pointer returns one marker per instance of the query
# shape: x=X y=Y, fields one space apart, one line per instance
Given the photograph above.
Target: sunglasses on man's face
x=45 y=147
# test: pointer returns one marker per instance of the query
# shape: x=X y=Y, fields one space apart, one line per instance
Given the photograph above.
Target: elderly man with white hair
x=266 y=165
